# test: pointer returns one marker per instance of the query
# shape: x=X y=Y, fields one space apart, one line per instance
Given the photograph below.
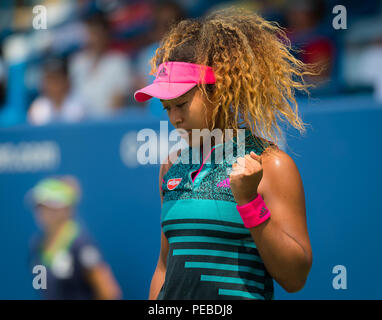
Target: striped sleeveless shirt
x=212 y=256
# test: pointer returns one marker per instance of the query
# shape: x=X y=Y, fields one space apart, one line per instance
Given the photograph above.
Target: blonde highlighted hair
x=256 y=73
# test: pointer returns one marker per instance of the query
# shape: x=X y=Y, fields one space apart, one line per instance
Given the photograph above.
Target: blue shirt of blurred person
x=66 y=260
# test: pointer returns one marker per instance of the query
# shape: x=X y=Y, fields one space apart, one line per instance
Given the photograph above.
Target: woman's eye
x=177 y=105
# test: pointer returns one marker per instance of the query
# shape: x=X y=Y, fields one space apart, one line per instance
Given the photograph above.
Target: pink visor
x=174 y=79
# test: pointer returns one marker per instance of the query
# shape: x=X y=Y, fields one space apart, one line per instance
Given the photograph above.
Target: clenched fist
x=245 y=178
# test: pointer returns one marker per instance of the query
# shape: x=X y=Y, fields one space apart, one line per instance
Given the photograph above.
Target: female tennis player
x=228 y=229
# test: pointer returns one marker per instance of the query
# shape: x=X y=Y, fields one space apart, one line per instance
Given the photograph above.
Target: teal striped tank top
x=212 y=256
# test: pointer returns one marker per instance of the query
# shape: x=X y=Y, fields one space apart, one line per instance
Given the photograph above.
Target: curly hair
x=256 y=73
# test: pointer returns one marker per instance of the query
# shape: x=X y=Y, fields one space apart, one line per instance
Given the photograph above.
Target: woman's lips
x=186 y=130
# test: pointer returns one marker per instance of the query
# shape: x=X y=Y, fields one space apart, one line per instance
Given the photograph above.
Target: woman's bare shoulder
x=278 y=168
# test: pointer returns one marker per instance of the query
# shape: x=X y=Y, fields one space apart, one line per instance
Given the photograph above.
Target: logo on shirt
x=63 y=265
x=173 y=183
x=224 y=184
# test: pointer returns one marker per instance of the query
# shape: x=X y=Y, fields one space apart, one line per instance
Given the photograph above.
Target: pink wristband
x=254 y=213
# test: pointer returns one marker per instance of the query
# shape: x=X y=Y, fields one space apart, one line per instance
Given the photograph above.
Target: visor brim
x=163 y=90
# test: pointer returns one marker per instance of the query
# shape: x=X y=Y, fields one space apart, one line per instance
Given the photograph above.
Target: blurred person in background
x=75 y=268
x=371 y=66
x=56 y=102
x=166 y=13
x=303 y=22
x=101 y=77
x=2 y=79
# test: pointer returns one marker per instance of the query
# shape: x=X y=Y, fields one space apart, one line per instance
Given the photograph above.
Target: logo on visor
x=173 y=183
x=162 y=72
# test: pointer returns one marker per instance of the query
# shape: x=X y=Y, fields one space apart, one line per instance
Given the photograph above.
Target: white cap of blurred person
x=57 y=196
x=101 y=76
x=56 y=103
x=370 y=62
x=75 y=268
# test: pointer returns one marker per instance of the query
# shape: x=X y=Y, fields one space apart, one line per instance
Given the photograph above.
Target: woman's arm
x=160 y=271
x=282 y=241
x=102 y=280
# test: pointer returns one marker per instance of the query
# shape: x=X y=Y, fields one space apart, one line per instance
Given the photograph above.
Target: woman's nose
x=177 y=118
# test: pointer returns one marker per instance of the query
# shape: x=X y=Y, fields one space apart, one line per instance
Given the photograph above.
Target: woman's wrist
x=254 y=212
x=243 y=201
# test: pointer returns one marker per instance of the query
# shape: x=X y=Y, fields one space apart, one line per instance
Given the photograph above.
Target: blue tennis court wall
x=339 y=159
